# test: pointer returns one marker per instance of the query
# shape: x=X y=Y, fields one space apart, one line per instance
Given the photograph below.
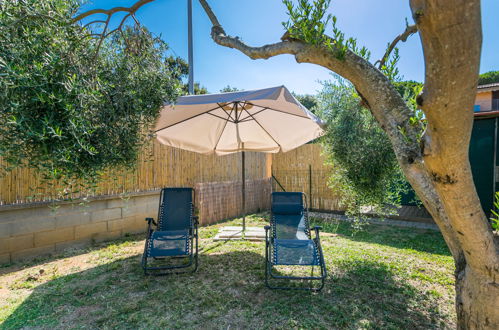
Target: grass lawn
x=380 y=278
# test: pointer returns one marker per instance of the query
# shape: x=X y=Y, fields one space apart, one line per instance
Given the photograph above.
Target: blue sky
x=257 y=22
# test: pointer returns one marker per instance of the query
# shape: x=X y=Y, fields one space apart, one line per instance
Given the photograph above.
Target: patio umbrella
x=266 y=120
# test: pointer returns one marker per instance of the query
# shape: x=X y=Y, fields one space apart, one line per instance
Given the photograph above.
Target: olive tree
x=71 y=103
x=364 y=167
x=434 y=157
x=434 y=160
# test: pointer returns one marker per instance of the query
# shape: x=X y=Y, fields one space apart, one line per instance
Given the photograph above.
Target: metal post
x=310 y=184
x=190 y=48
x=244 y=193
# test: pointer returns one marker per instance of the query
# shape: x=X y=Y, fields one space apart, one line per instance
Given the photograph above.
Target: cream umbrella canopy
x=267 y=120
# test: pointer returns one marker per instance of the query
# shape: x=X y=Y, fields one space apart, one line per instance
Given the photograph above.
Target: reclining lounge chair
x=170 y=245
x=289 y=243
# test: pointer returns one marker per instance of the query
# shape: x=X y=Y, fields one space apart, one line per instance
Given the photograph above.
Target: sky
x=374 y=23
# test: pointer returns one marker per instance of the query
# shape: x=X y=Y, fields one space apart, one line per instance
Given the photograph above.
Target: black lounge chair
x=288 y=241
x=171 y=243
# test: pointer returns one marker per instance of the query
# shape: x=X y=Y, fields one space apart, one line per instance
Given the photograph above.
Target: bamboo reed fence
x=223 y=200
x=304 y=169
x=164 y=166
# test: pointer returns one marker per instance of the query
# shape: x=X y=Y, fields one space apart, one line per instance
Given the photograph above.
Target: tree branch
x=94 y=22
x=366 y=78
x=409 y=30
x=103 y=36
x=110 y=12
x=390 y=110
x=213 y=18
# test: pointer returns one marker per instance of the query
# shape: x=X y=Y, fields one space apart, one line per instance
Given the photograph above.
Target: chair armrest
x=151 y=220
x=267 y=228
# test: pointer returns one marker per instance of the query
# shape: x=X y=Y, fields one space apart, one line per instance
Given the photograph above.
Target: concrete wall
x=32 y=230
x=35 y=230
x=484 y=100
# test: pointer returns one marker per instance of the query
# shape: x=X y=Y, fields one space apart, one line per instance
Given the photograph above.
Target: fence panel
x=304 y=169
x=223 y=200
x=165 y=166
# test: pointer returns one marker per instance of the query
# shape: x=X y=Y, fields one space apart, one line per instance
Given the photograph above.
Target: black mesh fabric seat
x=289 y=242
x=169 y=243
x=174 y=236
x=295 y=252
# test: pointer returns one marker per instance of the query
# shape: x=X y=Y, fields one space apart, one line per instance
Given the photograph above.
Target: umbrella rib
x=288 y=113
x=186 y=119
x=256 y=113
x=230 y=114
x=222 y=131
x=250 y=118
x=256 y=121
x=246 y=120
x=226 y=119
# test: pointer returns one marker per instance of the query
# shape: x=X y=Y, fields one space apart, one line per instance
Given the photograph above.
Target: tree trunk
x=437 y=166
x=477 y=301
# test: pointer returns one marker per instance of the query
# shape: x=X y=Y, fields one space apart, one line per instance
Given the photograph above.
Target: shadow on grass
x=227 y=291
x=423 y=240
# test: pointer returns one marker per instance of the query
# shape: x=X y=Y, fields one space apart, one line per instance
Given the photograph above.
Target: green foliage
x=229 y=89
x=179 y=69
x=494 y=220
x=408 y=89
x=365 y=167
x=390 y=67
x=307 y=100
x=68 y=110
x=488 y=78
x=198 y=89
x=309 y=22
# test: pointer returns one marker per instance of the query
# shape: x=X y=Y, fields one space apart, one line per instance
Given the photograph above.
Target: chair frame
x=269 y=241
x=193 y=241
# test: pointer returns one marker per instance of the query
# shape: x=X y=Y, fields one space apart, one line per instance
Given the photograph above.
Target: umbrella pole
x=244 y=193
x=189 y=47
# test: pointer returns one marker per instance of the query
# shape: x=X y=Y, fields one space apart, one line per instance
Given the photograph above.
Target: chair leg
x=144 y=255
x=196 y=253
x=267 y=264
x=291 y=278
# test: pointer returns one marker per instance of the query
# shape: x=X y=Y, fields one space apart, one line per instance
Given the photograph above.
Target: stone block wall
x=32 y=230
x=35 y=230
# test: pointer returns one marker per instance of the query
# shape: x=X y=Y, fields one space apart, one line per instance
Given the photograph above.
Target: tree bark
x=437 y=168
x=477 y=301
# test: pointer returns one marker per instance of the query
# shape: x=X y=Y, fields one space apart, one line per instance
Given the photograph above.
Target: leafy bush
x=494 y=220
x=488 y=78
x=365 y=169
x=307 y=100
x=67 y=109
